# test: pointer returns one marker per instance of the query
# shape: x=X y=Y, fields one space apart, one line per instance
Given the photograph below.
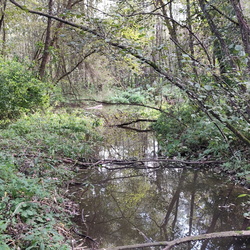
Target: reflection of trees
x=174 y=201
x=123 y=144
x=135 y=206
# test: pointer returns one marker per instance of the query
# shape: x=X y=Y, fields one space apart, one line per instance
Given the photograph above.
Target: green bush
x=129 y=96
x=20 y=91
x=187 y=133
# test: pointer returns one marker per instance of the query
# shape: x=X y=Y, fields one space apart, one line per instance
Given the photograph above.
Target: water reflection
x=138 y=206
x=122 y=144
x=130 y=206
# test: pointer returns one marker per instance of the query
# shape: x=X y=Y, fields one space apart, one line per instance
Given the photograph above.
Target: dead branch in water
x=139 y=164
x=127 y=163
x=134 y=129
x=169 y=244
x=125 y=125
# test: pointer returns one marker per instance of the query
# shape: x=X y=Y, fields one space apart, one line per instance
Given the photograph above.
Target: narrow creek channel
x=152 y=201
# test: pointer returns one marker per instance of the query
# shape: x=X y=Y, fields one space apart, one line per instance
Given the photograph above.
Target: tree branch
x=169 y=113
x=177 y=23
x=223 y=14
x=169 y=244
x=131 y=122
x=76 y=66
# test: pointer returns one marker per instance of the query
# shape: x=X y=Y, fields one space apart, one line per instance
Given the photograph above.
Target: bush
x=20 y=91
x=187 y=133
x=129 y=96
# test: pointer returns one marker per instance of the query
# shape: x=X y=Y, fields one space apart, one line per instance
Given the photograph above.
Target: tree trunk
x=2 y=24
x=220 y=46
x=244 y=28
x=191 y=38
x=46 y=54
x=172 y=31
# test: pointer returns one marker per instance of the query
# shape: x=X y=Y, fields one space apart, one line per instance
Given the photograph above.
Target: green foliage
x=34 y=212
x=20 y=91
x=27 y=210
x=135 y=95
x=189 y=133
x=62 y=133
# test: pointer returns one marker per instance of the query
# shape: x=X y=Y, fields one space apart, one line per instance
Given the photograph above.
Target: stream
x=154 y=201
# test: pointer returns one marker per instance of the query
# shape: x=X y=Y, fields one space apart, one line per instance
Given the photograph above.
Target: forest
x=70 y=68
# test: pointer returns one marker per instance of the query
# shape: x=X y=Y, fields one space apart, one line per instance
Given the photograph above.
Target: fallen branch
x=134 y=162
x=120 y=162
x=134 y=129
x=169 y=244
x=83 y=235
x=135 y=121
x=125 y=125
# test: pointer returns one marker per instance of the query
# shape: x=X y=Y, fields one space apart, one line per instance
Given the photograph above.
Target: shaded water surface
x=131 y=204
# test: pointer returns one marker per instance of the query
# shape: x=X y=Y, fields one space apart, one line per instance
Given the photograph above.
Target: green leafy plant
x=32 y=172
x=129 y=96
x=20 y=91
x=190 y=134
x=26 y=210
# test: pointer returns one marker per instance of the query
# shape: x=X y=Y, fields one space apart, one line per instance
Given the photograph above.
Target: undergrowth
x=190 y=134
x=34 y=210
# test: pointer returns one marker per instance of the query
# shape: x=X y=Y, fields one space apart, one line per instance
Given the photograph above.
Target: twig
x=83 y=235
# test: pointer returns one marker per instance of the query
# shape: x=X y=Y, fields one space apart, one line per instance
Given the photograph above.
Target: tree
x=217 y=93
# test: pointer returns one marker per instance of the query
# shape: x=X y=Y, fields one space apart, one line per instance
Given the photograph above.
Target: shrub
x=20 y=91
x=187 y=133
x=129 y=96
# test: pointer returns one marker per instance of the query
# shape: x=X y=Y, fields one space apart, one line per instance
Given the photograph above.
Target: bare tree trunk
x=244 y=28
x=191 y=38
x=2 y=24
x=172 y=30
x=46 y=54
x=2 y=12
x=220 y=46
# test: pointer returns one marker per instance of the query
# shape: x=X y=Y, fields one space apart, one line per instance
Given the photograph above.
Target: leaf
x=208 y=87
x=242 y=195
x=238 y=47
x=3 y=225
x=3 y=246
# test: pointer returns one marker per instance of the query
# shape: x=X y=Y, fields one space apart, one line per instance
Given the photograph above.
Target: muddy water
x=147 y=202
